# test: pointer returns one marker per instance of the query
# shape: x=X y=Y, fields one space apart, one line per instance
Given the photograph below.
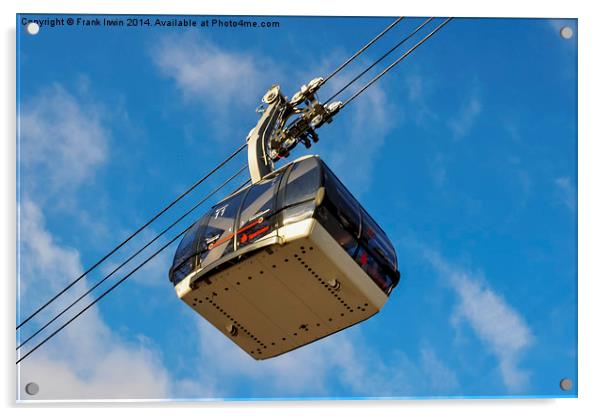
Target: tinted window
x=188 y=245
x=184 y=269
x=185 y=259
x=376 y=240
x=332 y=224
x=301 y=187
x=303 y=182
x=339 y=213
x=373 y=268
x=342 y=203
x=257 y=215
x=219 y=233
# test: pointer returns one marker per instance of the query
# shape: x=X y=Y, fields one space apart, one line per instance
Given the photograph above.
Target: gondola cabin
x=285 y=261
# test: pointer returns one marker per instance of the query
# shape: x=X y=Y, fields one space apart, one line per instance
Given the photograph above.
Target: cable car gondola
x=315 y=261
x=285 y=261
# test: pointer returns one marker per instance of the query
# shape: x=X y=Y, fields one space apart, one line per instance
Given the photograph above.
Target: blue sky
x=465 y=154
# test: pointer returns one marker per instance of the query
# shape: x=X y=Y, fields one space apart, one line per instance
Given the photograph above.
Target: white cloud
x=500 y=327
x=567 y=192
x=206 y=72
x=223 y=82
x=39 y=254
x=117 y=373
x=442 y=379
x=462 y=123
x=342 y=364
x=496 y=323
x=299 y=372
x=62 y=141
x=87 y=360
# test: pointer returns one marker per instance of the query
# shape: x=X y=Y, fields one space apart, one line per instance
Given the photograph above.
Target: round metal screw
x=566 y=384
x=32 y=389
x=32 y=28
x=566 y=32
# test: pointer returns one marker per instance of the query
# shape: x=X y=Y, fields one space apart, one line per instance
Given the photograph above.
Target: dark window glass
x=257 y=215
x=184 y=258
x=373 y=268
x=188 y=244
x=339 y=213
x=376 y=240
x=341 y=203
x=334 y=227
x=302 y=185
x=219 y=233
x=303 y=181
x=184 y=269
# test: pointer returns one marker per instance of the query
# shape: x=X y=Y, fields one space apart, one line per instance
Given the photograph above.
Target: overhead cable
x=138 y=231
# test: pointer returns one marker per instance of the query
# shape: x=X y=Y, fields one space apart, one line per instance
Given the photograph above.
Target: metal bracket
x=260 y=162
x=273 y=139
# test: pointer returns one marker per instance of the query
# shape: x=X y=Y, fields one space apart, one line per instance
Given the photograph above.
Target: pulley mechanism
x=285 y=123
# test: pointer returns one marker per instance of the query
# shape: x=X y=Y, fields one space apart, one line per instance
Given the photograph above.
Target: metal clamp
x=274 y=137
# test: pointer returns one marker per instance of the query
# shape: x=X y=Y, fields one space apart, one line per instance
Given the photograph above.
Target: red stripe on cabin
x=229 y=236
x=256 y=233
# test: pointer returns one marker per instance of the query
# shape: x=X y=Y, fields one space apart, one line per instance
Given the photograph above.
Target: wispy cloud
x=340 y=364
x=63 y=144
x=441 y=378
x=62 y=141
x=218 y=80
x=206 y=72
x=567 y=192
x=270 y=378
x=419 y=89
x=499 y=326
x=87 y=360
x=462 y=123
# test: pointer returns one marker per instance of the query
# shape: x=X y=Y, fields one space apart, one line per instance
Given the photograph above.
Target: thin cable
x=366 y=46
x=242 y=185
x=219 y=166
x=404 y=40
x=401 y=58
x=133 y=256
x=106 y=292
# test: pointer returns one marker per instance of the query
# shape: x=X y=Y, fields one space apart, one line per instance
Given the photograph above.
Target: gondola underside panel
x=286 y=296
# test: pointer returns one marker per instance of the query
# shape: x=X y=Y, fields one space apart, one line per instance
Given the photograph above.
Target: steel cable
x=397 y=61
x=359 y=52
x=110 y=253
x=358 y=76
x=133 y=256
